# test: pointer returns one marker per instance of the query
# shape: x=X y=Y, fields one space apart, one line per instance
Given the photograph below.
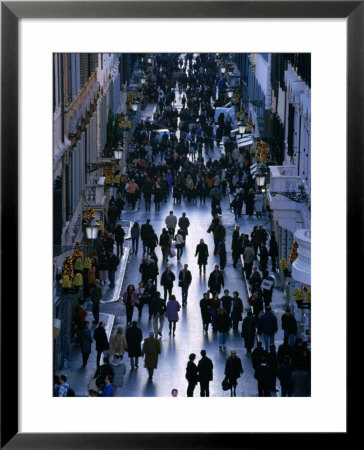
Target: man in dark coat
x=184 y=223
x=299 y=383
x=146 y=232
x=257 y=355
x=134 y=338
x=226 y=301
x=264 y=375
x=273 y=250
x=96 y=296
x=167 y=280
x=144 y=270
x=119 y=236
x=205 y=374
x=202 y=252
x=219 y=234
x=112 y=265
x=191 y=375
x=263 y=257
x=184 y=281
x=86 y=341
x=284 y=350
x=102 y=344
x=233 y=370
x=235 y=245
x=216 y=280
x=248 y=330
x=272 y=362
x=284 y=375
x=205 y=304
x=289 y=326
x=268 y=326
x=151 y=349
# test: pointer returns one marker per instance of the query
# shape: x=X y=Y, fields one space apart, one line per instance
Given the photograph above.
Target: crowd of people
x=183 y=172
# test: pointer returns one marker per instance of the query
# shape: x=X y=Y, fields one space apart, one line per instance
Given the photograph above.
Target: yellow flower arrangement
x=66 y=282
x=294 y=254
x=87 y=263
x=284 y=264
x=297 y=295
x=78 y=264
x=78 y=280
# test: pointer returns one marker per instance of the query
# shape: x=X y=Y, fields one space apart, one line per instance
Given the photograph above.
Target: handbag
x=180 y=284
x=225 y=384
x=171 y=252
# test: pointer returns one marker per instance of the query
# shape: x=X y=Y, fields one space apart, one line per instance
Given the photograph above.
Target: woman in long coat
x=129 y=299
x=233 y=370
x=118 y=343
x=151 y=349
x=173 y=306
x=237 y=311
x=202 y=251
x=248 y=330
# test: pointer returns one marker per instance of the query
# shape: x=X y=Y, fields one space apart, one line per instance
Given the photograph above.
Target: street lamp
x=149 y=60
x=92 y=229
x=241 y=128
x=118 y=152
x=142 y=80
x=260 y=178
x=230 y=93
x=222 y=69
x=135 y=106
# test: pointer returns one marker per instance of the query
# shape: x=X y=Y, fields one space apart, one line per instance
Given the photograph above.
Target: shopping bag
x=172 y=252
x=225 y=384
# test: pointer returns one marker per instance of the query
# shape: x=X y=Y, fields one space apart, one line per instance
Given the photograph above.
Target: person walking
x=184 y=223
x=102 y=344
x=233 y=370
x=248 y=255
x=263 y=257
x=167 y=280
x=102 y=266
x=146 y=232
x=272 y=362
x=249 y=201
x=86 y=342
x=248 y=331
x=216 y=281
x=205 y=374
x=112 y=265
x=118 y=343
x=191 y=375
x=221 y=251
x=119 y=371
x=165 y=242
x=134 y=339
x=157 y=308
x=135 y=233
x=119 y=235
x=273 y=250
x=284 y=350
x=96 y=297
x=257 y=355
x=264 y=375
x=173 y=306
x=284 y=374
x=171 y=223
x=180 y=242
x=223 y=327
x=289 y=326
x=237 y=310
x=235 y=245
x=184 y=282
x=268 y=326
x=129 y=299
x=299 y=382
x=202 y=252
x=150 y=351
x=219 y=233
x=226 y=301
x=205 y=305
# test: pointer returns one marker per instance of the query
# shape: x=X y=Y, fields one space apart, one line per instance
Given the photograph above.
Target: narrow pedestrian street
x=189 y=336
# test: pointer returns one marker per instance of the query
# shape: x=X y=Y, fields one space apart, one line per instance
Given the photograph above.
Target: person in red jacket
x=129 y=298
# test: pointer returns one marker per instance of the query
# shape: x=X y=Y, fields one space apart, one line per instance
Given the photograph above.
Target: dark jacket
x=216 y=279
x=146 y=231
x=219 y=233
x=265 y=377
x=205 y=369
x=223 y=323
x=119 y=235
x=192 y=372
x=289 y=323
x=157 y=306
x=204 y=306
x=272 y=361
x=101 y=339
x=284 y=349
x=233 y=368
x=284 y=373
x=268 y=323
x=112 y=262
x=248 y=330
x=188 y=277
x=202 y=251
x=102 y=262
x=273 y=247
x=86 y=340
x=299 y=384
x=167 y=279
x=226 y=302
x=184 y=223
x=134 y=338
x=257 y=356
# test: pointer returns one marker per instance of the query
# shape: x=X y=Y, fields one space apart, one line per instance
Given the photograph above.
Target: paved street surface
x=189 y=336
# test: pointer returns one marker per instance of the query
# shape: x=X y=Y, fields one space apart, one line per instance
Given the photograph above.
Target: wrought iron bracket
x=91 y=167
x=298 y=197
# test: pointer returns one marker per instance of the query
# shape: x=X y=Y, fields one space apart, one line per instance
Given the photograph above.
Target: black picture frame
x=11 y=12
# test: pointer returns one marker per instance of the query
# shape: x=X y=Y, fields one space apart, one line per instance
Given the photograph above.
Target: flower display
x=66 y=282
x=87 y=263
x=284 y=264
x=78 y=280
x=79 y=264
x=67 y=269
x=294 y=254
x=297 y=295
x=90 y=213
x=77 y=254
